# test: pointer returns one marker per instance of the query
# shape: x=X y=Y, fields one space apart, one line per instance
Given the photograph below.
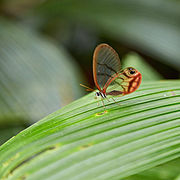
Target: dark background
x=46 y=50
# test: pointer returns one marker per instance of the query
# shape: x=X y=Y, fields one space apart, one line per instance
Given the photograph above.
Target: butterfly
x=109 y=78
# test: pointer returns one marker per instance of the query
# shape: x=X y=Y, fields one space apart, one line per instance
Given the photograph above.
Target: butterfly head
x=130 y=72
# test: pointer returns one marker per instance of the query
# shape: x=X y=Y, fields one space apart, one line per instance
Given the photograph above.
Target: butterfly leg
x=108 y=99
x=115 y=101
x=103 y=104
x=98 y=103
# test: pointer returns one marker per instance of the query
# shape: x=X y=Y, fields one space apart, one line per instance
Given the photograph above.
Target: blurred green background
x=46 y=50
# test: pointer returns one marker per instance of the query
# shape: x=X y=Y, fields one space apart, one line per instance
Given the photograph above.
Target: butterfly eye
x=132 y=72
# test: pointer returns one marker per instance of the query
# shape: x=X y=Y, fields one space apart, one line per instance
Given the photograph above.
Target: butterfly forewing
x=106 y=64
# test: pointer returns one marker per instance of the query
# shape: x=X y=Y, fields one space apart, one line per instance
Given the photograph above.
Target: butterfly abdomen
x=115 y=93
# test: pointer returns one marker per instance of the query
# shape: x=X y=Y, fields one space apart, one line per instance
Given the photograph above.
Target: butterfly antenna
x=87 y=88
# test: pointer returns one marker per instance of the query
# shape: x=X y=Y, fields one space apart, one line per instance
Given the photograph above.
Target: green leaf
x=165 y=171
x=148 y=73
x=82 y=141
x=36 y=76
x=151 y=27
x=178 y=178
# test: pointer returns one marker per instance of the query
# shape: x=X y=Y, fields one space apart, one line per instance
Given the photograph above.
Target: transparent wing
x=121 y=84
x=117 y=85
x=106 y=63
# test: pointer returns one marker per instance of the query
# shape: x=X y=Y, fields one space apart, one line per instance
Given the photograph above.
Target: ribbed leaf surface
x=36 y=77
x=81 y=142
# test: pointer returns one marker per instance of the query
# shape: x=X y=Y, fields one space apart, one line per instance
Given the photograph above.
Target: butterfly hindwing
x=123 y=83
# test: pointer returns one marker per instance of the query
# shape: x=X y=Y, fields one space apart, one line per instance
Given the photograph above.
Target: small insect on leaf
x=109 y=78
